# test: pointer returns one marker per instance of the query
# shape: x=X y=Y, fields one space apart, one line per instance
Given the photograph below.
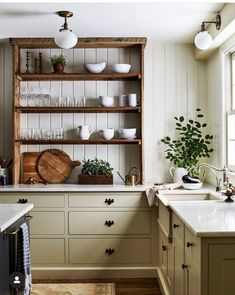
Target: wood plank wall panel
x=174 y=84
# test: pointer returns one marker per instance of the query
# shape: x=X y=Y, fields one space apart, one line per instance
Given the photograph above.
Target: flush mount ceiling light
x=203 y=38
x=65 y=38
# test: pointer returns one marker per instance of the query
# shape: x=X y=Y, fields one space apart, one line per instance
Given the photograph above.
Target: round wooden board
x=55 y=166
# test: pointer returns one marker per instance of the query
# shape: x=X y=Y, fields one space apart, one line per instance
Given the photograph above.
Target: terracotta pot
x=58 y=68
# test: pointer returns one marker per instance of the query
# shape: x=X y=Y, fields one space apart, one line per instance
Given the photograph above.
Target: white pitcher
x=84 y=131
x=177 y=173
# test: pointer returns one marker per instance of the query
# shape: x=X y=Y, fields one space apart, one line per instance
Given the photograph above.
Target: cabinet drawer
x=123 y=251
x=192 y=245
x=37 y=199
x=107 y=200
x=47 y=223
x=177 y=228
x=164 y=218
x=47 y=251
x=119 y=223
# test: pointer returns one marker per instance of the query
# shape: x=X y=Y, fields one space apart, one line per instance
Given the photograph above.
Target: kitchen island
x=197 y=243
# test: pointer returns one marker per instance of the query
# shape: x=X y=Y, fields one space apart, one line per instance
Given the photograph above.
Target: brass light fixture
x=65 y=38
x=203 y=38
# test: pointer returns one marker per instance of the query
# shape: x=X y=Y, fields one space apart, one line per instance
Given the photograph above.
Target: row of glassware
x=46 y=100
x=37 y=134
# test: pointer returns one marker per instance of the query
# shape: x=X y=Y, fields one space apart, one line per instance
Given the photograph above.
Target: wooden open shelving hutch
x=48 y=43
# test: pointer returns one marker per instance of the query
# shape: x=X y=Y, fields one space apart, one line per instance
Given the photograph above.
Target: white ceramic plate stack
x=127 y=133
x=95 y=68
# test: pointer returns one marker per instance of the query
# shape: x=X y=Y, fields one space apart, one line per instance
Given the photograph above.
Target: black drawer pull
x=109 y=201
x=164 y=248
x=175 y=225
x=184 y=266
x=109 y=251
x=109 y=223
x=23 y=201
x=189 y=244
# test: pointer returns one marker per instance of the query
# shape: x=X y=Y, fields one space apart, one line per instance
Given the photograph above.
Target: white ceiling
x=168 y=22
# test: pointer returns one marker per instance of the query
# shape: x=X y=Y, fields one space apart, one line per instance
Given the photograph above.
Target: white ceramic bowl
x=127 y=133
x=121 y=68
x=106 y=101
x=95 y=68
x=192 y=185
x=107 y=134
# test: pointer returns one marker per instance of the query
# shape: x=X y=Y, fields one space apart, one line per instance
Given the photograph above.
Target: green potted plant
x=190 y=145
x=58 y=62
x=96 y=172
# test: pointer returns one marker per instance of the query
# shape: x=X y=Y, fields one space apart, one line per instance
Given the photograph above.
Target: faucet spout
x=218 y=180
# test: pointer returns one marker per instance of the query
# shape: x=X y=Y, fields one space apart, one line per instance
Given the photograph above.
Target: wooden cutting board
x=55 y=166
x=30 y=166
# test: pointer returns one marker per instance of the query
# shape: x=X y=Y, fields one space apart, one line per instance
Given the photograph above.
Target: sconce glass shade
x=66 y=39
x=203 y=40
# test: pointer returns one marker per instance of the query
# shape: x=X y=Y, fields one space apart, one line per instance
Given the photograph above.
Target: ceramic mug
x=177 y=173
x=132 y=99
x=84 y=131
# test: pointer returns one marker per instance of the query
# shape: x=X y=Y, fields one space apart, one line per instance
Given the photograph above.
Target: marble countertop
x=73 y=188
x=10 y=213
x=213 y=218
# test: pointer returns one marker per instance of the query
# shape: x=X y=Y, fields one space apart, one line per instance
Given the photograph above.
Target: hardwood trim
x=78 y=109
x=78 y=141
x=101 y=42
x=142 y=172
x=77 y=77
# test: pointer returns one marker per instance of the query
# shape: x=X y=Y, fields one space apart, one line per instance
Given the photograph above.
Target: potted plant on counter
x=190 y=145
x=58 y=62
x=96 y=172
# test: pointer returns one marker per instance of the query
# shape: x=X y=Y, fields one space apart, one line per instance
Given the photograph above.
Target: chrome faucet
x=218 y=180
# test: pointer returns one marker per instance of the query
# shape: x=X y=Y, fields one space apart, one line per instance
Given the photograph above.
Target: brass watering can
x=131 y=178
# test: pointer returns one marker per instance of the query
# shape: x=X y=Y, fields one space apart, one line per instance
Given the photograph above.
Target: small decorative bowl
x=192 y=185
x=127 y=133
x=95 y=68
x=106 y=101
x=121 y=68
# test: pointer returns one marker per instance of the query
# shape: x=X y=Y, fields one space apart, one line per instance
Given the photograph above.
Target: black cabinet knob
x=109 y=251
x=109 y=223
x=175 y=225
x=189 y=244
x=109 y=201
x=184 y=266
x=164 y=248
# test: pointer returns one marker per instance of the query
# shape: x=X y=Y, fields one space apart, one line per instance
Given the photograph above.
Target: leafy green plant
x=58 y=59
x=96 y=167
x=190 y=145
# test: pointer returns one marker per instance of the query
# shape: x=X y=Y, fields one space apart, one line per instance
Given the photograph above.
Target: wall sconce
x=65 y=38
x=203 y=38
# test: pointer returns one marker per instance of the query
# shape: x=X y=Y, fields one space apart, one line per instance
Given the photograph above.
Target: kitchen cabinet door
x=221 y=269
x=192 y=276
x=178 y=259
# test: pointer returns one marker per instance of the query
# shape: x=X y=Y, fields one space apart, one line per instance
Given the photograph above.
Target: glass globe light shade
x=203 y=40
x=66 y=39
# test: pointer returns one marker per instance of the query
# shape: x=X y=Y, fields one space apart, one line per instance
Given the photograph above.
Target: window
x=231 y=120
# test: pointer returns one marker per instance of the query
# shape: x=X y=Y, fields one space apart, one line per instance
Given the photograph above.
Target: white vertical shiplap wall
x=175 y=84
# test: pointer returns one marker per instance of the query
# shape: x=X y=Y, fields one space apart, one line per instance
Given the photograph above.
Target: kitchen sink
x=165 y=198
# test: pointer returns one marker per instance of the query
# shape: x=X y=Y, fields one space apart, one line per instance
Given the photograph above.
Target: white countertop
x=10 y=213
x=207 y=218
x=73 y=188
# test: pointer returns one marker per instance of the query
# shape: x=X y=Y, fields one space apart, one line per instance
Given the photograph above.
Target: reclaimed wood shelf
x=78 y=109
x=78 y=141
x=109 y=76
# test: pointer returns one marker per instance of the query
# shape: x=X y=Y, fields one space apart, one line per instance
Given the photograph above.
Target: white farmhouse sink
x=165 y=198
